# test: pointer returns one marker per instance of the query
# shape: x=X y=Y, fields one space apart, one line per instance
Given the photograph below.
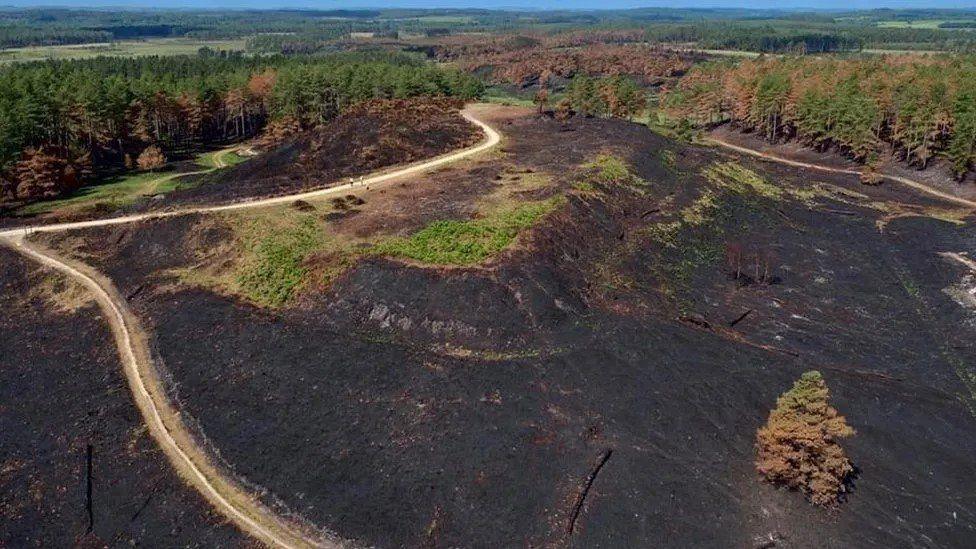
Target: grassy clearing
x=126 y=48
x=277 y=252
x=920 y=24
x=503 y=96
x=451 y=242
x=266 y=262
x=120 y=191
x=113 y=193
x=228 y=158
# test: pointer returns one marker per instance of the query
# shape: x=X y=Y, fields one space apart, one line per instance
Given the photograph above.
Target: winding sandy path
x=917 y=185
x=492 y=138
x=218 y=159
x=161 y=415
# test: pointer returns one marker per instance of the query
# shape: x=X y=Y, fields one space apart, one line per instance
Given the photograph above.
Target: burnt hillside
x=637 y=336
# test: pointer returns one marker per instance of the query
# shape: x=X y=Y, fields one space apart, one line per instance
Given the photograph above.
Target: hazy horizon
x=581 y=5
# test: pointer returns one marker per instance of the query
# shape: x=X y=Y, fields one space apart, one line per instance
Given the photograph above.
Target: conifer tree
x=798 y=446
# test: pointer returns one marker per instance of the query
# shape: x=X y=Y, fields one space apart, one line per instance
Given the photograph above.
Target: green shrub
x=610 y=169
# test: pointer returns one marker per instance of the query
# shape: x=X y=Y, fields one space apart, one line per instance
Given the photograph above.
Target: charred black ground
x=407 y=405
x=368 y=137
x=62 y=392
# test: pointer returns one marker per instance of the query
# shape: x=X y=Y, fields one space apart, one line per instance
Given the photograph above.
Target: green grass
x=451 y=242
x=505 y=96
x=668 y=160
x=208 y=160
x=129 y=48
x=120 y=191
x=736 y=177
x=585 y=187
x=275 y=254
x=609 y=169
x=114 y=192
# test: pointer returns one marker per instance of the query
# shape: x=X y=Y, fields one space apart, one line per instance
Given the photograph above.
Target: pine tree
x=962 y=145
x=797 y=447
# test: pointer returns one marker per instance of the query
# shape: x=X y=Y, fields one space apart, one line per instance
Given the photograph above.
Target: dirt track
x=903 y=180
x=492 y=139
x=163 y=419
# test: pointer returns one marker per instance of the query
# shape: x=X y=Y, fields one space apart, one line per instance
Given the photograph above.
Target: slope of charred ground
x=62 y=392
x=638 y=336
x=369 y=136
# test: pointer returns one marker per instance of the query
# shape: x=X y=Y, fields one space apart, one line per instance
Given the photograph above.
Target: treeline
x=958 y=25
x=918 y=106
x=62 y=122
x=916 y=38
x=616 y=96
x=791 y=36
x=525 y=65
x=291 y=44
x=765 y=37
x=57 y=26
x=21 y=36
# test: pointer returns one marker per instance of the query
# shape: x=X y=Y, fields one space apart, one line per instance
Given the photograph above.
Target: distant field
x=921 y=24
x=133 y=48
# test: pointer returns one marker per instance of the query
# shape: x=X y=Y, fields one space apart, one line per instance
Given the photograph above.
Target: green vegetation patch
x=133 y=48
x=695 y=237
x=609 y=169
x=114 y=193
x=229 y=158
x=735 y=177
x=451 y=242
x=275 y=254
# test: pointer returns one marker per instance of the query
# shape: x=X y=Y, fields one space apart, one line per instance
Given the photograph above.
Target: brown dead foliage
x=798 y=445
x=526 y=65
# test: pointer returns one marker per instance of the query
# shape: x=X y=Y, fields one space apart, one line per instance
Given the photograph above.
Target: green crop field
x=133 y=48
x=921 y=24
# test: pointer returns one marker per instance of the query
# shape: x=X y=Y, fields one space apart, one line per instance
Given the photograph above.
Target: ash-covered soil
x=415 y=406
x=62 y=391
x=368 y=137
